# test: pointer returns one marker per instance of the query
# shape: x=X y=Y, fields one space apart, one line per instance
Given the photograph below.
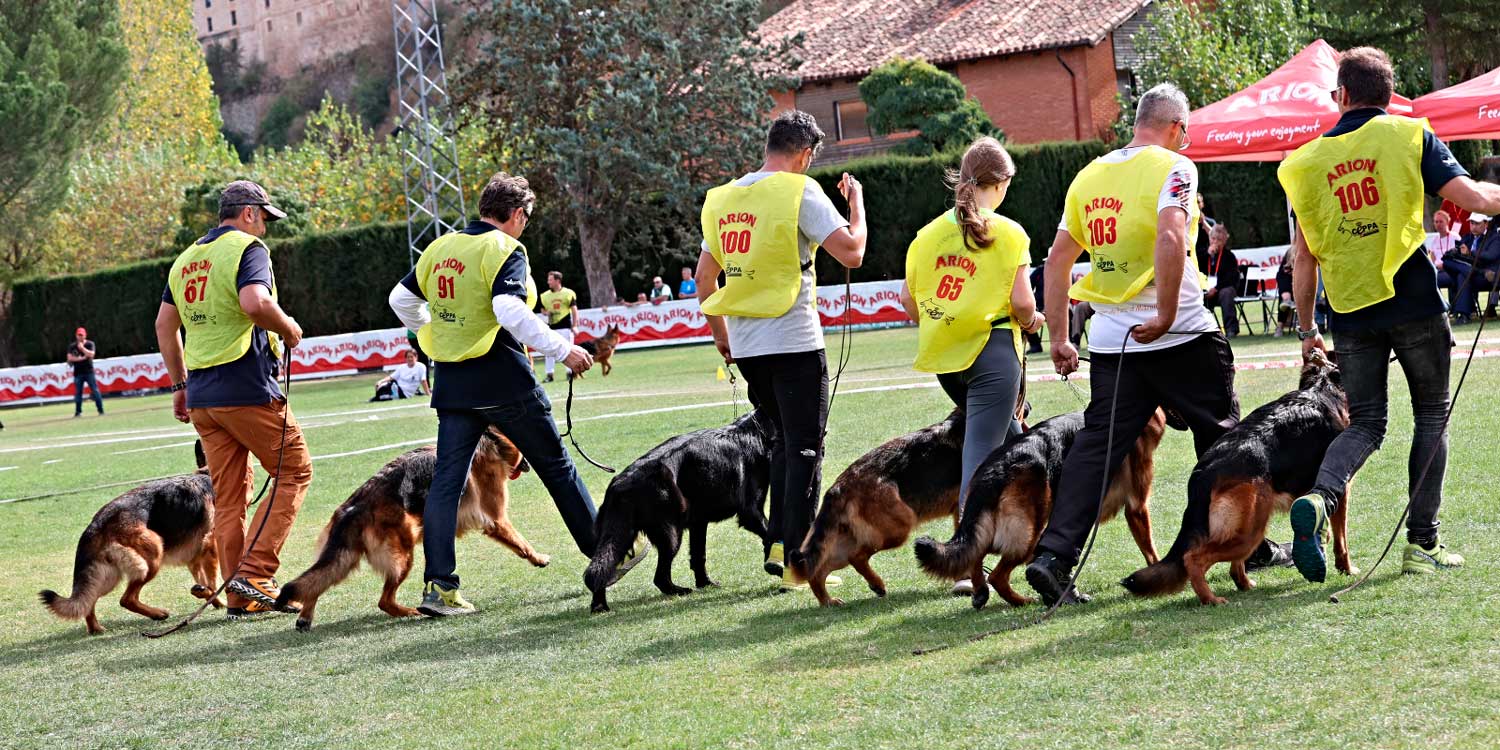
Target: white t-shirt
x=409 y=379
x=1112 y=322
x=798 y=329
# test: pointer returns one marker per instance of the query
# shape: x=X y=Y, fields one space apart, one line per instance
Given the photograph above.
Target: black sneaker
x=1270 y=555
x=1049 y=577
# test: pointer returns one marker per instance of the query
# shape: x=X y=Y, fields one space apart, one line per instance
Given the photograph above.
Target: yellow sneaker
x=792 y=582
x=1419 y=559
x=775 y=560
x=440 y=602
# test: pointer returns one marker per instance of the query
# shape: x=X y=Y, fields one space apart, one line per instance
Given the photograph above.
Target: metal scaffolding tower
x=434 y=192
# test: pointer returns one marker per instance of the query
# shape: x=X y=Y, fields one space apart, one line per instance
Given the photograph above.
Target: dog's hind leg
x=400 y=563
x=861 y=565
x=140 y=563
x=1339 y=522
x=667 y=541
x=1240 y=575
x=503 y=532
x=1000 y=582
x=1197 y=563
x=1138 y=518
x=697 y=555
x=981 y=594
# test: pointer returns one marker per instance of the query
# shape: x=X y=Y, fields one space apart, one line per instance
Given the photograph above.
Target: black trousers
x=1195 y=379
x=792 y=389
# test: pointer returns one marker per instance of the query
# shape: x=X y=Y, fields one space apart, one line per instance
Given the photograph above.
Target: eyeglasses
x=1186 y=140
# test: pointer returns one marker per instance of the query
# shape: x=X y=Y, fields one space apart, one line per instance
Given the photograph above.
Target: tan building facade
x=289 y=35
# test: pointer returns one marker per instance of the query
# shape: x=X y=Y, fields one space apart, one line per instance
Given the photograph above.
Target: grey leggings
x=987 y=393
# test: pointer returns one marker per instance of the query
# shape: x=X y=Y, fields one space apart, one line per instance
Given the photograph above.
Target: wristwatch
x=1305 y=335
x=178 y=387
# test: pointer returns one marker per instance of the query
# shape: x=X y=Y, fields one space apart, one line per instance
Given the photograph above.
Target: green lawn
x=1403 y=662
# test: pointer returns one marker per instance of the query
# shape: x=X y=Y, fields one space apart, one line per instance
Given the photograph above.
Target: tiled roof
x=844 y=38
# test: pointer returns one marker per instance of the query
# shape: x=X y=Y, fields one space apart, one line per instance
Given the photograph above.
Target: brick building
x=1044 y=70
x=289 y=35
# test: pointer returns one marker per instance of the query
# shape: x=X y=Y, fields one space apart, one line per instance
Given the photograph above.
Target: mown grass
x=1404 y=662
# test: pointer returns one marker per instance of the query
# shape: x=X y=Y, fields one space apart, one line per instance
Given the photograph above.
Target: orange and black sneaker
x=261 y=591
x=252 y=611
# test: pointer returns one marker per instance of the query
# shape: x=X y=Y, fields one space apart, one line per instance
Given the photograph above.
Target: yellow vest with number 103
x=203 y=283
x=1111 y=212
x=1358 y=198
x=961 y=292
x=457 y=276
x=751 y=230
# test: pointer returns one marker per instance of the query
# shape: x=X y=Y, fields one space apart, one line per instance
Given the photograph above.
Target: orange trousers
x=230 y=435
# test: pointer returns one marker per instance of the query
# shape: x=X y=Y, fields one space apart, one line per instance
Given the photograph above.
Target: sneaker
x=1047 y=575
x=1309 y=517
x=261 y=590
x=1419 y=559
x=792 y=582
x=252 y=611
x=548 y=379
x=965 y=586
x=633 y=557
x=1270 y=555
x=440 y=602
x=775 y=560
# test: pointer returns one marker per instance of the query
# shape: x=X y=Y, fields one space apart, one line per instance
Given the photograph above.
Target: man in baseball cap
x=247 y=193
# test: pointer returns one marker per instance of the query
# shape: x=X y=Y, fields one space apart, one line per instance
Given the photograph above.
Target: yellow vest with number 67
x=961 y=293
x=204 y=287
x=1358 y=199
x=751 y=230
x=1111 y=212
x=457 y=276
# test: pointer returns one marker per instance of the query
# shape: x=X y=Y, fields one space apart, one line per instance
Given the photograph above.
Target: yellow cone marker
x=721 y=377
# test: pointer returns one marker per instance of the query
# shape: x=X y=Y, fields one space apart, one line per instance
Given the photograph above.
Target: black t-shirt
x=83 y=366
x=251 y=379
x=501 y=375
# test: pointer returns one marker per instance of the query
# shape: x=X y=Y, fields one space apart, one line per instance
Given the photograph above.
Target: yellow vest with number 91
x=457 y=276
x=204 y=287
x=1358 y=199
x=751 y=230
x=961 y=292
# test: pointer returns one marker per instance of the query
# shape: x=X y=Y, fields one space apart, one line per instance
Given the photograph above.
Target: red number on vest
x=195 y=289
x=1102 y=231
x=1357 y=195
x=950 y=287
x=735 y=242
x=445 y=287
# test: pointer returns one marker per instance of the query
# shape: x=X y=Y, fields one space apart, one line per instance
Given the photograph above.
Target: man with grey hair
x=1134 y=210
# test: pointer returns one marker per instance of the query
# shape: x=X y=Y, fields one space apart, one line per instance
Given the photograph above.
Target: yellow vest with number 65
x=1358 y=199
x=1111 y=212
x=961 y=293
x=204 y=289
x=751 y=230
x=457 y=276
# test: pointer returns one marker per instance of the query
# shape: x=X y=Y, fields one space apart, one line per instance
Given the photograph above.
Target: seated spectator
x=1473 y=265
x=1286 y=313
x=659 y=292
x=1038 y=283
x=1446 y=240
x=1225 y=269
x=1078 y=316
x=405 y=381
x=688 y=288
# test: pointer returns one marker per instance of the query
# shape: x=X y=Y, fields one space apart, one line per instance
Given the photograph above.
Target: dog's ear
x=199 y=455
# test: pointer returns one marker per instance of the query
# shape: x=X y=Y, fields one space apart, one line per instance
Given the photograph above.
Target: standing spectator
x=660 y=292
x=405 y=381
x=1286 y=313
x=1200 y=246
x=81 y=357
x=560 y=305
x=1225 y=268
x=688 y=288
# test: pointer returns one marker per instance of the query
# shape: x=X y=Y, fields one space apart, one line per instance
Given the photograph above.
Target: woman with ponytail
x=967 y=290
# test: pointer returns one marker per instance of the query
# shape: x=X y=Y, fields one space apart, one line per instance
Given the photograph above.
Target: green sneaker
x=775 y=560
x=1419 y=559
x=1309 y=517
x=440 y=602
x=633 y=557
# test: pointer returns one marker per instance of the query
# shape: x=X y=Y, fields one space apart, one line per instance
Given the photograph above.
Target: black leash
x=844 y=352
x=568 y=416
x=270 y=505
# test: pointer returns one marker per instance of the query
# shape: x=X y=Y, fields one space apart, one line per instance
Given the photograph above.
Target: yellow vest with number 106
x=1111 y=212
x=457 y=276
x=751 y=230
x=203 y=283
x=1358 y=199
x=961 y=292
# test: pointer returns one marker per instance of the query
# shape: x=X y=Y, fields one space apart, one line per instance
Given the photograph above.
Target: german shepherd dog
x=1269 y=459
x=382 y=523
x=164 y=522
x=876 y=502
x=1010 y=499
x=601 y=349
x=683 y=484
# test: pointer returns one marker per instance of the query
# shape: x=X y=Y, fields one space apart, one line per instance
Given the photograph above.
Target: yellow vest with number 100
x=457 y=276
x=1358 y=199
x=961 y=292
x=1111 y=212
x=751 y=230
x=204 y=289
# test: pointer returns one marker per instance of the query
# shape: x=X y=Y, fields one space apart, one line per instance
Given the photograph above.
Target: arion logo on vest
x=1307 y=91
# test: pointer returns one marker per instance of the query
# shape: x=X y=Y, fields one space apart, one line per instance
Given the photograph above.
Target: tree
x=605 y=107
x=1434 y=43
x=61 y=64
x=909 y=94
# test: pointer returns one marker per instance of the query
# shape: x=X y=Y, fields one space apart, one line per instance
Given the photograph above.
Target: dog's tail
x=955 y=559
x=92 y=578
x=1169 y=575
x=339 y=552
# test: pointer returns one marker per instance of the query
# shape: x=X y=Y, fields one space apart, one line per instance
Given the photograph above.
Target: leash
x=1431 y=457
x=270 y=504
x=734 y=391
x=568 y=416
x=844 y=352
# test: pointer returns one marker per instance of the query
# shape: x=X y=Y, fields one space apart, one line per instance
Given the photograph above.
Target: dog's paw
x=878 y=590
x=980 y=599
x=833 y=602
x=704 y=583
x=598 y=607
x=1215 y=601
x=1021 y=601
x=159 y=615
x=304 y=626
x=539 y=560
x=675 y=590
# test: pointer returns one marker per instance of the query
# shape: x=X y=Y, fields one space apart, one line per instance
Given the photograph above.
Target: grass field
x=1404 y=662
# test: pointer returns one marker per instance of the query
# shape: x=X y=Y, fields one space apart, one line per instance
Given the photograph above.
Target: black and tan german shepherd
x=1258 y=468
x=680 y=486
x=164 y=522
x=382 y=522
x=1010 y=499
x=602 y=349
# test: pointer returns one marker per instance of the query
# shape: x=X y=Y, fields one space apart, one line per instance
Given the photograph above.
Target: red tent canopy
x=1469 y=110
x=1280 y=112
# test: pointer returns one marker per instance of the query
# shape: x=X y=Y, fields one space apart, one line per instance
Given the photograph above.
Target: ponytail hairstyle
x=986 y=163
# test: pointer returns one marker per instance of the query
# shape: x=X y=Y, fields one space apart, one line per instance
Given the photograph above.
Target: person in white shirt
x=405 y=381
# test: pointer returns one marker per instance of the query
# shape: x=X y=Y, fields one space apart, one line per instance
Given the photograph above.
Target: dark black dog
x=1269 y=459
x=682 y=485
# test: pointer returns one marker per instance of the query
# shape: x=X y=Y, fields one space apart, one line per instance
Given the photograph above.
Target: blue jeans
x=527 y=423
x=1423 y=347
x=79 y=381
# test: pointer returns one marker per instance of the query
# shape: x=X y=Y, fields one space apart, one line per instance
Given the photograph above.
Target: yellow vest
x=751 y=230
x=1358 y=199
x=558 y=304
x=457 y=276
x=1111 y=212
x=960 y=292
x=203 y=283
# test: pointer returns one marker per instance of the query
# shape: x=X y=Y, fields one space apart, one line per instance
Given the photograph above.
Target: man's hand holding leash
x=578 y=360
x=1064 y=357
